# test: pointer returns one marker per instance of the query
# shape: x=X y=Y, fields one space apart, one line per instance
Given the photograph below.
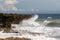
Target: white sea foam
x=31 y=26
x=31 y=29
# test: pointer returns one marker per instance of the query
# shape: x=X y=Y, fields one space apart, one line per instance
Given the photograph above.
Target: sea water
x=47 y=24
x=39 y=27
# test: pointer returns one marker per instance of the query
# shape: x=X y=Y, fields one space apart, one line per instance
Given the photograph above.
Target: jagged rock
x=8 y=19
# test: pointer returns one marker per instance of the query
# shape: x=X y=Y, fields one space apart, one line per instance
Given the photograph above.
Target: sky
x=40 y=6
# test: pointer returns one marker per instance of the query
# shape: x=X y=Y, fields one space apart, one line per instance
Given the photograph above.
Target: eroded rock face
x=8 y=19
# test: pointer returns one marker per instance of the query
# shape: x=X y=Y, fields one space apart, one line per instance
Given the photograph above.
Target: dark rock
x=8 y=19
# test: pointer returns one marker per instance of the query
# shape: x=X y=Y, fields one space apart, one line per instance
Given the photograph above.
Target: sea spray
x=29 y=28
x=30 y=25
x=30 y=22
x=27 y=23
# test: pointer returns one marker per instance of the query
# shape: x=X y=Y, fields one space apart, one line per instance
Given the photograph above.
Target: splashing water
x=45 y=23
x=31 y=26
x=1 y=31
x=27 y=24
x=30 y=22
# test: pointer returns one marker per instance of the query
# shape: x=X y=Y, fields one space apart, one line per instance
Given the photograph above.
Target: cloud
x=22 y=10
x=9 y=5
x=32 y=9
x=2 y=8
x=11 y=2
x=14 y=8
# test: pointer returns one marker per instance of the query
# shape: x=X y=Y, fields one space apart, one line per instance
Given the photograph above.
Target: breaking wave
x=31 y=26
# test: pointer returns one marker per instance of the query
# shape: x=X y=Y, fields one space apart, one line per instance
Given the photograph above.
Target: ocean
x=48 y=24
x=54 y=18
x=38 y=27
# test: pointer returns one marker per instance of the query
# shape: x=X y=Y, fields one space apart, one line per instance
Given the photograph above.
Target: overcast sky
x=30 y=5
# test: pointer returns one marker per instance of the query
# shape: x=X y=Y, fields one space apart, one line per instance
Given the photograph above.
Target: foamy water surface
x=34 y=30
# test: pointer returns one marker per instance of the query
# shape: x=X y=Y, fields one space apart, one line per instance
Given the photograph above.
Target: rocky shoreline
x=7 y=19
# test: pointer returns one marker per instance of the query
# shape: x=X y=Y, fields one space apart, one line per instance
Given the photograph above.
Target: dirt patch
x=11 y=38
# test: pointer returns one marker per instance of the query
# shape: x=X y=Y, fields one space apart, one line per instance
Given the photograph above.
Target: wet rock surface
x=7 y=19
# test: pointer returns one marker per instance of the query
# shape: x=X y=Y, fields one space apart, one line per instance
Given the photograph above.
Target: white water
x=29 y=26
